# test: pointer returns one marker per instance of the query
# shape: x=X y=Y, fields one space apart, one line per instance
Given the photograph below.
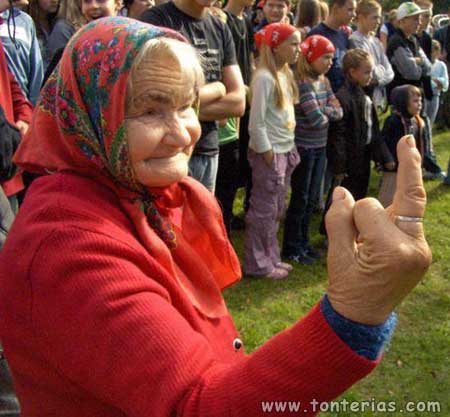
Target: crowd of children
x=343 y=83
x=337 y=132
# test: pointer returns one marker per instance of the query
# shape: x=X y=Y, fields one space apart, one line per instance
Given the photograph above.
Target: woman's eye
x=184 y=108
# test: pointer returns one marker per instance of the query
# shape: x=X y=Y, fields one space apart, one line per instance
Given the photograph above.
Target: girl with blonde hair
x=316 y=108
x=69 y=20
x=44 y=13
x=72 y=15
x=272 y=153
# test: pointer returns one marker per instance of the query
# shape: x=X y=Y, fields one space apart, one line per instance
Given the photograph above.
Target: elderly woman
x=112 y=273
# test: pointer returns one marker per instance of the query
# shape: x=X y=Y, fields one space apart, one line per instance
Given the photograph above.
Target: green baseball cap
x=409 y=9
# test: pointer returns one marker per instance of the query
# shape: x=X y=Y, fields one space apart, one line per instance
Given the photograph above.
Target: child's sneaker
x=284 y=265
x=278 y=273
x=301 y=258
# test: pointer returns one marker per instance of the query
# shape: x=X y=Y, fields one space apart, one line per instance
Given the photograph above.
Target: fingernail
x=338 y=194
x=411 y=141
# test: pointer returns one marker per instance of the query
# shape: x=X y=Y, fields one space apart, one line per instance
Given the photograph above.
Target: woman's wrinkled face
x=95 y=9
x=161 y=125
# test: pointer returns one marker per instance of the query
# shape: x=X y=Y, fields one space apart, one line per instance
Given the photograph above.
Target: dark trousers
x=305 y=184
x=227 y=181
x=245 y=171
x=356 y=181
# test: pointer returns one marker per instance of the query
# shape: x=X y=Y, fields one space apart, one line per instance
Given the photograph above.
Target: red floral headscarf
x=78 y=126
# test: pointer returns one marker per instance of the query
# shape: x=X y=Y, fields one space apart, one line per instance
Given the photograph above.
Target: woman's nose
x=178 y=134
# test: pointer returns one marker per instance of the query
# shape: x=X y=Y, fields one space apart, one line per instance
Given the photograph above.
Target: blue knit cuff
x=367 y=341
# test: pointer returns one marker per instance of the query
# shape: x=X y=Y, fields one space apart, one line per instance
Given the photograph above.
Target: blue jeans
x=432 y=108
x=305 y=183
x=204 y=169
x=430 y=162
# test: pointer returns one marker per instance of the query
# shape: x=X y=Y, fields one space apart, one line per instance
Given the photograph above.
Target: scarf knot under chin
x=155 y=218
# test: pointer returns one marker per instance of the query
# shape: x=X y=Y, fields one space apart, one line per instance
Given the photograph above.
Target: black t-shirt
x=213 y=40
x=425 y=42
x=244 y=41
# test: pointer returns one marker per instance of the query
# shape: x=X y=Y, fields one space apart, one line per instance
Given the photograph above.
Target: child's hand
x=334 y=102
x=268 y=157
x=390 y=166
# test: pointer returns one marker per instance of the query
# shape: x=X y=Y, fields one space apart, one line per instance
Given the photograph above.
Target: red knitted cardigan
x=93 y=326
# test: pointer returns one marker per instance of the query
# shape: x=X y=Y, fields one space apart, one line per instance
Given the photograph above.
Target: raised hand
x=376 y=256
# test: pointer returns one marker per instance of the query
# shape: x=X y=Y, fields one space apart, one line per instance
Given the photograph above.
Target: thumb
x=341 y=228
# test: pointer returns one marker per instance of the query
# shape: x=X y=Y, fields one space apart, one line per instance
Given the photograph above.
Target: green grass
x=416 y=365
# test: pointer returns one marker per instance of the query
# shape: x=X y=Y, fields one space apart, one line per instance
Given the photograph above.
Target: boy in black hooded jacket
x=406 y=102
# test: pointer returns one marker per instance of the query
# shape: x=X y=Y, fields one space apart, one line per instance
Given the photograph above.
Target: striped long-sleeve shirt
x=316 y=108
